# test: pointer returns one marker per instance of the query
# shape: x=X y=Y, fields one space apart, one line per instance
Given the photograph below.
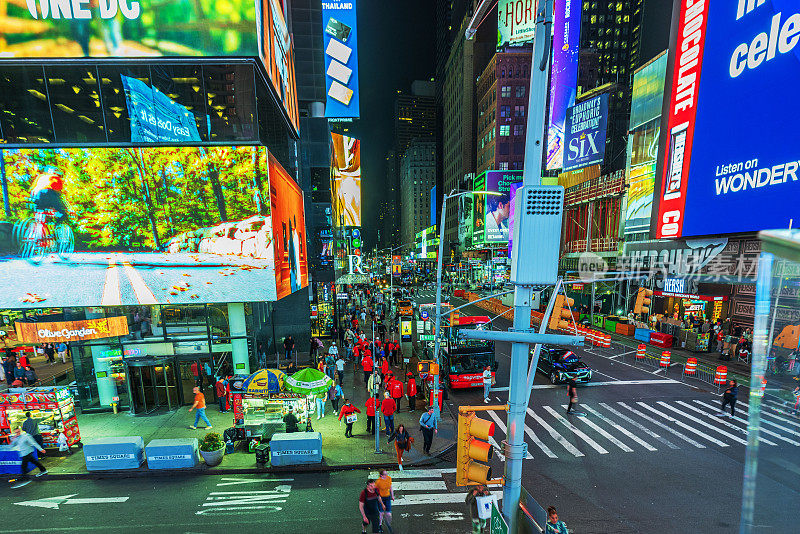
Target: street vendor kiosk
x=260 y=415
x=52 y=407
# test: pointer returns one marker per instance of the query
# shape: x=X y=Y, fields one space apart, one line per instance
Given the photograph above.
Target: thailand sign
x=585 y=131
x=71 y=330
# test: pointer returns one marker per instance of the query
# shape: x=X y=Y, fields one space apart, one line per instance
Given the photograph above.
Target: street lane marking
x=762 y=429
x=639 y=426
x=612 y=383
x=434 y=498
x=789 y=466
x=775 y=416
x=419 y=485
x=555 y=435
x=703 y=423
x=721 y=420
x=575 y=430
x=53 y=503
x=143 y=293
x=499 y=422
x=416 y=473
x=602 y=432
x=682 y=425
x=662 y=425
x=609 y=376
x=111 y=292
x=236 y=481
x=619 y=427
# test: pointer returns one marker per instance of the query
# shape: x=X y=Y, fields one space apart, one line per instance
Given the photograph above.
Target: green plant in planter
x=211 y=442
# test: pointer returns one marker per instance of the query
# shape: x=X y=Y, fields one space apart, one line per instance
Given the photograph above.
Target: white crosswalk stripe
x=762 y=430
x=662 y=425
x=703 y=423
x=596 y=446
x=620 y=428
x=638 y=425
x=499 y=422
x=603 y=433
x=721 y=421
x=555 y=435
x=683 y=425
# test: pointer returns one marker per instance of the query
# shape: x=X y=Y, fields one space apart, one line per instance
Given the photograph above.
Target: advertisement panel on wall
x=155 y=118
x=585 y=131
x=498 y=207
x=516 y=21
x=644 y=127
x=277 y=53
x=171 y=225
x=478 y=210
x=289 y=230
x=725 y=169
x=397 y=265
x=563 y=75
x=71 y=330
x=128 y=28
x=340 y=42
x=465 y=223
x=346 y=180
x=512 y=200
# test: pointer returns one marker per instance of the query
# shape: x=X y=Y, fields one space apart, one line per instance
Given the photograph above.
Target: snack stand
x=52 y=407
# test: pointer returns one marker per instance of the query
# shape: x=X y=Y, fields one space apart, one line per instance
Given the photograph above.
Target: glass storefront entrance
x=152 y=385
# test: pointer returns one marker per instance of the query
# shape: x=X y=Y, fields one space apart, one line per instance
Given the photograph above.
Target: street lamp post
x=453 y=194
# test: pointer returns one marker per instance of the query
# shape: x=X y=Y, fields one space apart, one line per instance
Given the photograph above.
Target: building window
x=503 y=165
x=519 y=111
x=520 y=91
x=519 y=129
x=505 y=130
x=505 y=112
x=505 y=92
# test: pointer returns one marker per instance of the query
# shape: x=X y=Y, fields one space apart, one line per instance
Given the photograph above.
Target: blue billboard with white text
x=340 y=42
x=585 y=132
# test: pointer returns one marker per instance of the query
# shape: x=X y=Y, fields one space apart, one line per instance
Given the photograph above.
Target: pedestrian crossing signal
x=562 y=313
x=473 y=447
x=642 y=301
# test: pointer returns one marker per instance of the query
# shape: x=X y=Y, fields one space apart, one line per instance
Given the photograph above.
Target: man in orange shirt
x=200 y=404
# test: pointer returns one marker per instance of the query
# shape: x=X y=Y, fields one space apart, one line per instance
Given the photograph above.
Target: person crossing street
x=349 y=412
x=729 y=397
x=572 y=391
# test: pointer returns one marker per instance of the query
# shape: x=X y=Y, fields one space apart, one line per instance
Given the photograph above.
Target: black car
x=562 y=364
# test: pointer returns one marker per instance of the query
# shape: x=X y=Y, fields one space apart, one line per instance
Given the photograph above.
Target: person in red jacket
x=348 y=411
x=384 y=368
x=388 y=407
x=366 y=365
x=395 y=388
x=411 y=391
x=371 y=404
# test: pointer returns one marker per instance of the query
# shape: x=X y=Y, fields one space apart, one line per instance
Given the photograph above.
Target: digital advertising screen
x=563 y=75
x=585 y=127
x=277 y=53
x=728 y=163
x=478 y=210
x=513 y=199
x=498 y=207
x=465 y=223
x=340 y=43
x=158 y=225
x=128 y=28
x=289 y=230
x=516 y=21
x=155 y=118
x=346 y=180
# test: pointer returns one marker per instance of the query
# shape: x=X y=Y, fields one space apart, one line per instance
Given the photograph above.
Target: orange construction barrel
x=665 y=357
x=691 y=366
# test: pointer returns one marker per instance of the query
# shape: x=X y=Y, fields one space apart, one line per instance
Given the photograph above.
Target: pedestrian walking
x=386 y=492
x=340 y=369
x=348 y=411
x=729 y=397
x=335 y=394
x=220 y=388
x=366 y=366
x=321 y=405
x=487 y=383
x=19 y=372
x=199 y=405
x=62 y=351
x=288 y=346
x=50 y=352
x=402 y=443
x=388 y=407
x=262 y=356
x=370 y=504
x=572 y=391
x=8 y=367
x=554 y=524
x=31 y=427
x=371 y=405
x=30 y=375
x=25 y=445
x=472 y=499
x=374 y=384
x=330 y=365
x=429 y=426
x=395 y=388
x=411 y=391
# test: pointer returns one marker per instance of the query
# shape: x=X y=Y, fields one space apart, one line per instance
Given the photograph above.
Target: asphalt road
x=113 y=279
x=295 y=503
x=650 y=455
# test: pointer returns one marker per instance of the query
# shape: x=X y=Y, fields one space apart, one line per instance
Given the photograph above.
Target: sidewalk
x=339 y=453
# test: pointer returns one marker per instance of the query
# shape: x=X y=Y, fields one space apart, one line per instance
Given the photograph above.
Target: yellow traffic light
x=562 y=313
x=642 y=301
x=473 y=447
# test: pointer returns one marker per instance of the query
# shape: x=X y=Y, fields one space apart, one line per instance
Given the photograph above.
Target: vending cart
x=52 y=407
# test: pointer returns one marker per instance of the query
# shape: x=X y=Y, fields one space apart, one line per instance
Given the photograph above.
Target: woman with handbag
x=349 y=412
x=402 y=442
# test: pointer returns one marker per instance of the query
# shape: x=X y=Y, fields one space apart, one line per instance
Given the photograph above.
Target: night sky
x=396 y=47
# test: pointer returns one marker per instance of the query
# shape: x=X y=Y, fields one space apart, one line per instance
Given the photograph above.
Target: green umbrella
x=308 y=382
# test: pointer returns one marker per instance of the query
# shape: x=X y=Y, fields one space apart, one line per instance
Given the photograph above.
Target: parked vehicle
x=562 y=364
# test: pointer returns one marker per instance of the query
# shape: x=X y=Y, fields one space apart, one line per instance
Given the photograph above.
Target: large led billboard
x=128 y=28
x=585 y=133
x=516 y=21
x=478 y=210
x=169 y=225
x=346 y=180
x=563 y=75
x=289 y=229
x=340 y=42
x=728 y=162
x=277 y=53
x=498 y=207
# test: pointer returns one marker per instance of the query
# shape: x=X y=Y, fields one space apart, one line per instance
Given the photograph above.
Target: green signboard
x=426 y=337
x=498 y=524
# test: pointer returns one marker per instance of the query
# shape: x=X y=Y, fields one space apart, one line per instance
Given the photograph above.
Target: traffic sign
x=426 y=337
x=424 y=315
x=498 y=524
